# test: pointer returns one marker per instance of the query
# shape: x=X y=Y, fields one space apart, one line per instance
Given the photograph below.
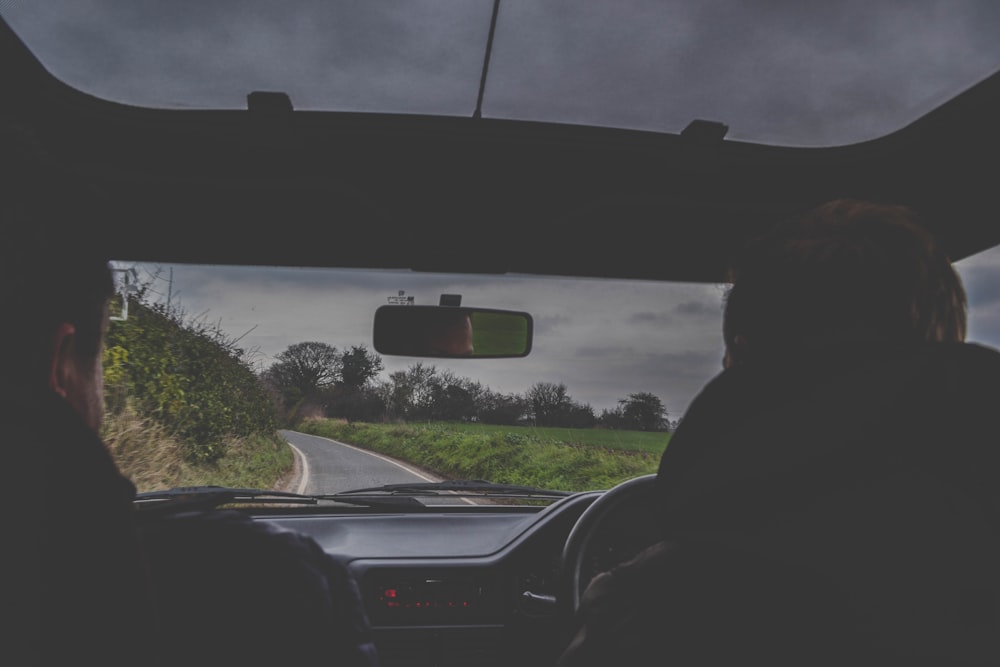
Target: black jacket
x=98 y=583
x=835 y=507
x=82 y=592
x=237 y=591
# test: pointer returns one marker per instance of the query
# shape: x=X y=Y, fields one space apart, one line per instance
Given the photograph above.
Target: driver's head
x=55 y=283
x=847 y=270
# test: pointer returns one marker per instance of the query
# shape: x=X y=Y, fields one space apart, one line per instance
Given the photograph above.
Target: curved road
x=329 y=466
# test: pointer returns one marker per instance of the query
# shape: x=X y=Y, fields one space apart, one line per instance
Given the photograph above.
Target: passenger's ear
x=62 y=358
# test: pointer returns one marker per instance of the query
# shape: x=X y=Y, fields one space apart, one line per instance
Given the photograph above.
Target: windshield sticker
x=401 y=299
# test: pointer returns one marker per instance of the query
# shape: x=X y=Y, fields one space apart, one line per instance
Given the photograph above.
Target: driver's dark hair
x=52 y=268
x=847 y=270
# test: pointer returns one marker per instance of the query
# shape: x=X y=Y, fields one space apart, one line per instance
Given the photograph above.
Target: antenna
x=478 y=113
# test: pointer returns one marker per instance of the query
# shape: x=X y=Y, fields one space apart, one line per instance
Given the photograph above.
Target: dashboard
x=470 y=586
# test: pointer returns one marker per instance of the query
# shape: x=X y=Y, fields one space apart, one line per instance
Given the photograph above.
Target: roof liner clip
x=705 y=130
x=273 y=104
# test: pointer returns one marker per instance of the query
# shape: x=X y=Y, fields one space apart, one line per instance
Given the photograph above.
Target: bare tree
x=304 y=370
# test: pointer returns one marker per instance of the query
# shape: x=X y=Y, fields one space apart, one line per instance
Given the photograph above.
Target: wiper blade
x=206 y=497
x=462 y=487
x=388 y=496
x=200 y=497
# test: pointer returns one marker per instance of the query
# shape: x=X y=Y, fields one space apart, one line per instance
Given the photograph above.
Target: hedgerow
x=187 y=376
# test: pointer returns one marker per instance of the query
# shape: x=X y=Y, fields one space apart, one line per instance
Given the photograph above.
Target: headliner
x=268 y=185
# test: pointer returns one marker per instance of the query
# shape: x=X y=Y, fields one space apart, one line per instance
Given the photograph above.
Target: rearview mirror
x=451 y=332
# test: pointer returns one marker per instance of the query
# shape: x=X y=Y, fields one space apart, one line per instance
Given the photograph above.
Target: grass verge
x=152 y=459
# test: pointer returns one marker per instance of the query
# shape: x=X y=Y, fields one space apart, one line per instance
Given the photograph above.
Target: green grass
x=637 y=441
x=564 y=459
x=153 y=459
x=553 y=458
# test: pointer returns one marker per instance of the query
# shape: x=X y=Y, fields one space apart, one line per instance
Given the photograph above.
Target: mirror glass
x=451 y=332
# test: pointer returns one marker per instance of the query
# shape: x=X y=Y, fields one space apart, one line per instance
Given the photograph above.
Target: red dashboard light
x=431 y=598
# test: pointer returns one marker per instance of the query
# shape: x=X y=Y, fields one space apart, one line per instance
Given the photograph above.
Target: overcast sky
x=788 y=71
x=602 y=339
x=795 y=73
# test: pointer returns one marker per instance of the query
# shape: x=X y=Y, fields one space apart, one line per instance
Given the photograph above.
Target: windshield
x=220 y=356
x=208 y=363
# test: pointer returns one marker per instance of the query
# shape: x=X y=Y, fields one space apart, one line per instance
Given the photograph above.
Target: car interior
x=472 y=197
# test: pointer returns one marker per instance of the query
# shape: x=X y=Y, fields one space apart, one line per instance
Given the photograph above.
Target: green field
x=636 y=441
x=554 y=458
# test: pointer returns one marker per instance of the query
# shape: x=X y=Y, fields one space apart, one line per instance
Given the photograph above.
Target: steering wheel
x=632 y=499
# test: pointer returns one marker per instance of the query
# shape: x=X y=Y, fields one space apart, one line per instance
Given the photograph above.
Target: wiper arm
x=463 y=487
x=202 y=497
x=207 y=497
x=390 y=496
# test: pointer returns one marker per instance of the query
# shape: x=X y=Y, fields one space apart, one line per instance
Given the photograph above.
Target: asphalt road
x=329 y=466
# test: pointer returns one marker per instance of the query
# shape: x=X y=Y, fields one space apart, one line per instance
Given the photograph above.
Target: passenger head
x=55 y=285
x=845 y=271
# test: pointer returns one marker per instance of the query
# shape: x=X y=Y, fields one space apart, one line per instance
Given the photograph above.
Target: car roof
x=273 y=185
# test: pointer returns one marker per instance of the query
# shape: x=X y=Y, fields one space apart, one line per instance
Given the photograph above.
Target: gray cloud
x=545 y=324
x=981 y=276
x=982 y=282
x=386 y=56
x=647 y=317
x=785 y=71
x=693 y=308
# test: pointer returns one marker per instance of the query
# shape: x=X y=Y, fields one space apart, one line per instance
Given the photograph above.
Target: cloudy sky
x=793 y=73
x=602 y=339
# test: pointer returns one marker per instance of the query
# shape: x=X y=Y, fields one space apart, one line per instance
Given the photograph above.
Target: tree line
x=316 y=379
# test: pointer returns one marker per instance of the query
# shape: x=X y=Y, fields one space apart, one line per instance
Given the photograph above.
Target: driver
x=829 y=498
x=101 y=586
x=450 y=334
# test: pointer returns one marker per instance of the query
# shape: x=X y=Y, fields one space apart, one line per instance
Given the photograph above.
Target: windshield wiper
x=394 y=496
x=199 y=497
x=460 y=487
x=206 y=497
